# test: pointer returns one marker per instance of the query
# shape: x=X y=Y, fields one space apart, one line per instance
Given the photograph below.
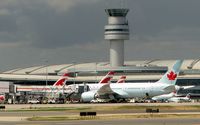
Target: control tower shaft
x=116 y=32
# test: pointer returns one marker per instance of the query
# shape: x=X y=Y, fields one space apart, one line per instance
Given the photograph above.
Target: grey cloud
x=44 y=27
x=40 y=23
x=51 y=29
x=155 y=16
x=63 y=30
x=162 y=50
x=7 y=23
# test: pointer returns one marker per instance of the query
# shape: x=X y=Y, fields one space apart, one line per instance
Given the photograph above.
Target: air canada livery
x=107 y=79
x=2 y=98
x=57 y=86
x=164 y=97
x=122 y=79
x=180 y=99
x=115 y=91
x=172 y=97
x=61 y=81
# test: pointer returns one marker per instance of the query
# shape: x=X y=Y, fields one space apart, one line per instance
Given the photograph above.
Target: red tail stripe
x=2 y=98
x=111 y=73
x=66 y=74
x=122 y=79
x=60 y=82
x=106 y=80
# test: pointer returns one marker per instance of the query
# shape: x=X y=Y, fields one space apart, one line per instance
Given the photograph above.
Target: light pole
x=96 y=71
x=46 y=63
x=74 y=64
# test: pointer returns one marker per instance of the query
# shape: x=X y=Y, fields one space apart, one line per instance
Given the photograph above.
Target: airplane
x=180 y=99
x=59 y=84
x=164 y=97
x=105 y=80
x=60 y=87
x=122 y=79
x=134 y=90
x=57 y=89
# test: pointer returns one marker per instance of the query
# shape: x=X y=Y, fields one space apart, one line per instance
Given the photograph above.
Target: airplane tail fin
x=107 y=78
x=61 y=81
x=122 y=79
x=170 y=77
x=2 y=97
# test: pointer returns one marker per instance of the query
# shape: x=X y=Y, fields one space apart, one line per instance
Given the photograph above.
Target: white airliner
x=180 y=99
x=59 y=86
x=166 y=97
x=132 y=90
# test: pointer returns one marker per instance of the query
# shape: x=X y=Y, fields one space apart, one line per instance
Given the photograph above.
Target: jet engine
x=88 y=96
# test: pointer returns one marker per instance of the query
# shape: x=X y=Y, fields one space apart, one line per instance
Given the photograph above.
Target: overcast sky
x=66 y=31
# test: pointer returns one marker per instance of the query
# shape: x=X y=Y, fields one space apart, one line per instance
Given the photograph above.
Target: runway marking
x=29 y=124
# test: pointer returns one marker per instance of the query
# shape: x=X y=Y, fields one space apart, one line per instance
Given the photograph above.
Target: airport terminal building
x=135 y=71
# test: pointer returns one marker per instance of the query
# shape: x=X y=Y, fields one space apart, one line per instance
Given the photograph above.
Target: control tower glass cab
x=117 y=12
x=116 y=32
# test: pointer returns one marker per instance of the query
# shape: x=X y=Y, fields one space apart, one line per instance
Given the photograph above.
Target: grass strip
x=111 y=116
x=51 y=109
x=107 y=108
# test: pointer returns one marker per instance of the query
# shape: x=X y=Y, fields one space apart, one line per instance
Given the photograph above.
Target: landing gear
x=113 y=101
x=147 y=96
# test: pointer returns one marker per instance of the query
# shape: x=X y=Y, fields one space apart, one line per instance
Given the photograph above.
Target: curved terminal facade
x=135 y=71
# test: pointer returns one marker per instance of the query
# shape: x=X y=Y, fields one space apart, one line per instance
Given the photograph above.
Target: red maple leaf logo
x=171 y=76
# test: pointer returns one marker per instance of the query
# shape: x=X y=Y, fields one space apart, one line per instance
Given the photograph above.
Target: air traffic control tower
x=116 y=32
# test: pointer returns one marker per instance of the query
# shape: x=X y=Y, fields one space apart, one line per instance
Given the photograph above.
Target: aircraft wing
x=169 y=88
x=187 y=87
x=105 y=89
